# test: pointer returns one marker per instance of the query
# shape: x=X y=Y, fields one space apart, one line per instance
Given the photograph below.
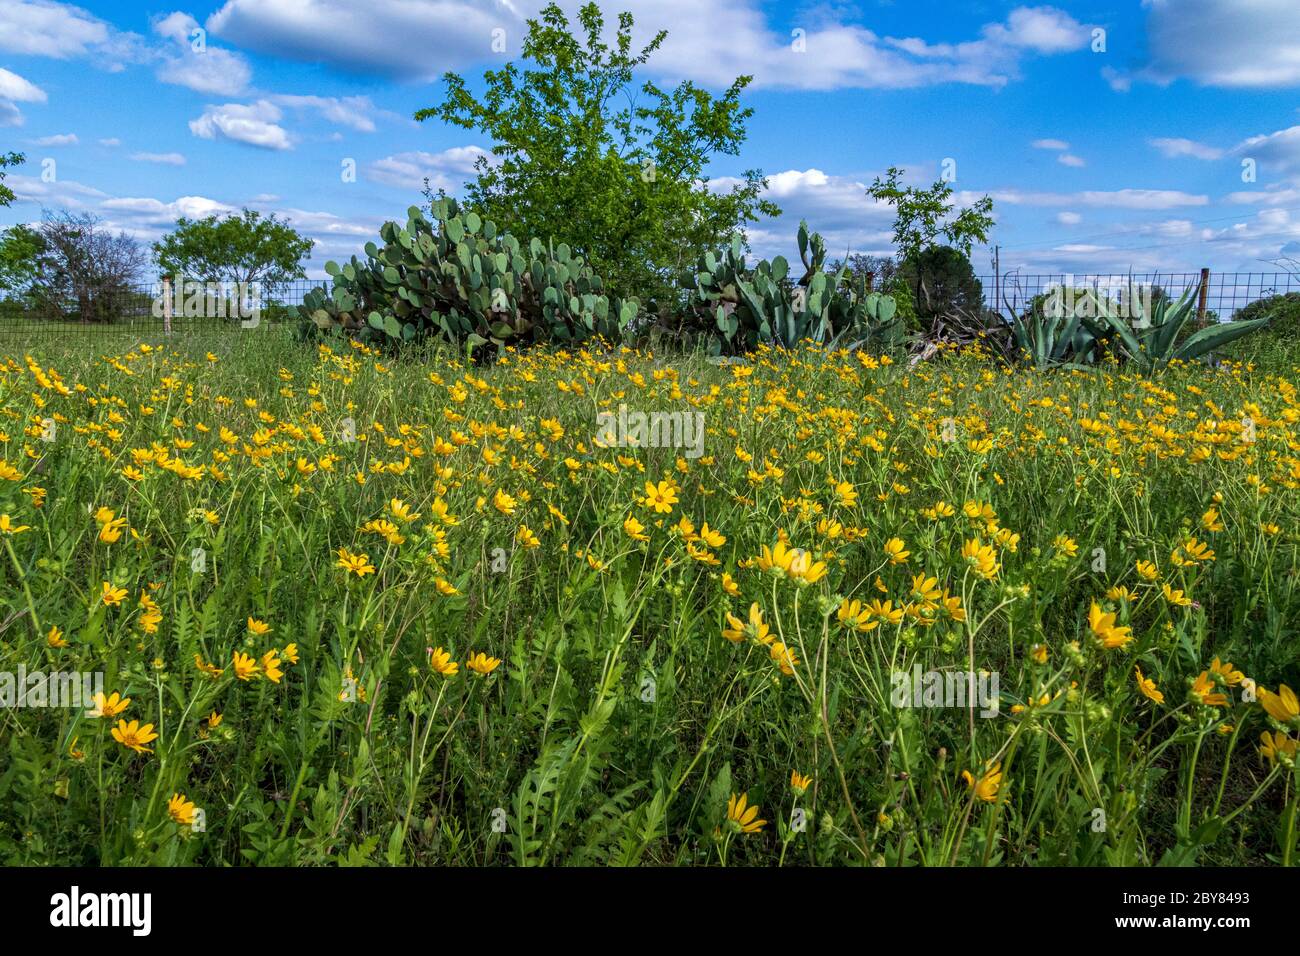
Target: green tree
x=921 y=215
x=864 y=269
x=581 y=154
x=20 y=252
x=943 y=283
x=237 y=248
x=6 y=160
x=1282 y=310
x=940 y=276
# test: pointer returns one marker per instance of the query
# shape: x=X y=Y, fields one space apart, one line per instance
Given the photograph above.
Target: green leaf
x=1215 y=336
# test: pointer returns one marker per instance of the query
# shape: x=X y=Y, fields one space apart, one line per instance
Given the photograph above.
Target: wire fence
x=1224 y=293
x=150 y=309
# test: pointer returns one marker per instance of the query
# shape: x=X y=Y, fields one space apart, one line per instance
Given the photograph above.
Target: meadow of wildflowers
x=350 y=608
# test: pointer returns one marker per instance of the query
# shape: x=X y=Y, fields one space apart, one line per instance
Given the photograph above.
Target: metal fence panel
x=136 y=309
x=1226 y=293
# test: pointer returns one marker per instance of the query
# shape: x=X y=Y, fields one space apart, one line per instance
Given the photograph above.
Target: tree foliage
x=939 y=275
x=583 y=155
x=922 y=215
x=6 y=160
x=20 y=250
x=864 y=269
x=236 y=248
x=1282 y=311
x=85 y=269
x=943 y=283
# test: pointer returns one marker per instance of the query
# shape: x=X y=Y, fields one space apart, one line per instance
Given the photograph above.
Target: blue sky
x=1111 y=135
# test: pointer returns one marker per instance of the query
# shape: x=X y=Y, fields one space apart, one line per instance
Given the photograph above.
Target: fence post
x=1205 y=291
x=167 y=304
x=997 y=279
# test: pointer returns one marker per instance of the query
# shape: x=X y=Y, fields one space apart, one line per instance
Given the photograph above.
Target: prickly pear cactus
x=457 y=277
x=763 y=305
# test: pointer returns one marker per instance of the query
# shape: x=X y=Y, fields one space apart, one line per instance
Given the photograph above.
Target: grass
x=291 y=559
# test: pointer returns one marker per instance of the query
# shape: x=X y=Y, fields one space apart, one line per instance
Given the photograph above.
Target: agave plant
x=1059 y=337
x=1148 y=335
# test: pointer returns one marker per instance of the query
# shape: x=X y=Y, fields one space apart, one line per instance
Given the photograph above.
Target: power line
x=1128 y=232
x=1185 y=242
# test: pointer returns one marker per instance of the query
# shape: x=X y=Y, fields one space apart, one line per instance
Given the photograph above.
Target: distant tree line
x=71 y=267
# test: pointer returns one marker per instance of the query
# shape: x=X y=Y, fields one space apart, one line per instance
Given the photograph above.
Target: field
x=358 y=609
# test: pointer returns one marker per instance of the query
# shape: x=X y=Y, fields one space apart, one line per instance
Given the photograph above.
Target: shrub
x=1282 y=311
x=906 y=305
x=943 y=282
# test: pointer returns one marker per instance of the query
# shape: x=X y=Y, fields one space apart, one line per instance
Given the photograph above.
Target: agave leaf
x=1171 y=321
x=1208 y=339
x=1132 y=346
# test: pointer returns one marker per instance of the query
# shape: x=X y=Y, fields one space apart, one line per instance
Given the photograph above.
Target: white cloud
x=1058 y=144
x=328 y=224
x=64 y=31
x=1170 y=246
x=177 y=27
x=1260 y=238
x=166 y=159
x=406 y=38
x=1081 y=259
x=1118 y=80
x=258 y=123
x=445 y=170
x=208 y=69
x=1167 y=229
x=1278 y=152
x=148 y=218
x=1112 y=199
x=1175 y=148
x=61 y=139
x=353 y=111
x=336 y=237
x=1066 y=218
x=736 y=38
x=114 y=141
x=45 y=28
x=836 y=206
x=215 y=71
x=146 y=211
x=711 y=43
x=1227 y=43
x=1067 y=159
x=254 y=124
x=15 y=89
x=1274 y=196
x=60 y=194
x=1041 y=29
